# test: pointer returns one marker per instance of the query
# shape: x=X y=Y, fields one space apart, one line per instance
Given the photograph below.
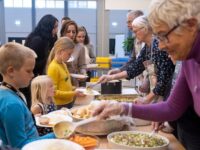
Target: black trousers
x=189 y=140
x=188 y=129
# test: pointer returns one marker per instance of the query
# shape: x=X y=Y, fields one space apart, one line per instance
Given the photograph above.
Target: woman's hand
x=114 y=71
x=141 y=100
x=157 y=126
x=106 y=78
x=108 y=108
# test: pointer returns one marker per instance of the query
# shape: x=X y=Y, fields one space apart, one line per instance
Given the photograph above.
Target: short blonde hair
x=63 y=43
x=142 y=22
x=173 y=12
x=39 y=89
x=14 y=54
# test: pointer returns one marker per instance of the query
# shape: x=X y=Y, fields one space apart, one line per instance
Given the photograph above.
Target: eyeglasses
x=164 y=38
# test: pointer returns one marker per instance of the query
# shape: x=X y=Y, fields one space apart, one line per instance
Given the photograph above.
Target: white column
x=102 y=29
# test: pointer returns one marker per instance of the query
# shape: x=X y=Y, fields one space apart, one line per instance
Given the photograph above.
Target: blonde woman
x=58 y=71
x=42 y=96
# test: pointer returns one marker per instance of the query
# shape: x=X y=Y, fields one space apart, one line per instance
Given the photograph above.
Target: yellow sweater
x=61 y=78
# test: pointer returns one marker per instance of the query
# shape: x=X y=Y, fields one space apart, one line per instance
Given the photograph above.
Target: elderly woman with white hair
x=176 y=23
x=157 y=63
x=137 y=46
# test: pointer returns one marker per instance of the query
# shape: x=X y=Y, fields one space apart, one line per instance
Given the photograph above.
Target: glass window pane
x=8 y=3
x=82 y=4
x=27 y=3
x=72 y=4
x=92 y=4
x=40 y=3
x=59 y=4
x=18 y=3
x=50 y=4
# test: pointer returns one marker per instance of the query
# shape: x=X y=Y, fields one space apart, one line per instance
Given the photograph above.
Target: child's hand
x=38 y=115
x=79 y=94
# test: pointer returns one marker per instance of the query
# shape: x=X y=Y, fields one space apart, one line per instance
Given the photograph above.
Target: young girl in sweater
x=65 y=93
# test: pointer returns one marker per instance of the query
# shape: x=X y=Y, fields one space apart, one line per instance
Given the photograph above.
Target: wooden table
x=173 y=145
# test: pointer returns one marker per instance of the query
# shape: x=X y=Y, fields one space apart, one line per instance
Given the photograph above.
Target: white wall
x=127 y=4
x=13 y=14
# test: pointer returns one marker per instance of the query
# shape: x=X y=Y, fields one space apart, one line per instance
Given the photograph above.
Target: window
x=27 y=3
x=92 y=4
x=49 y=3
x=72 y=4
x=18 y=3
x=82 y=4
x=40 y=4
x=8 y=3
x=59 y=4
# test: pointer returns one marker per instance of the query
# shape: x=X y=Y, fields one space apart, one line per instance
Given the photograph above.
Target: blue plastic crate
x=118 y=60
x=116 y=65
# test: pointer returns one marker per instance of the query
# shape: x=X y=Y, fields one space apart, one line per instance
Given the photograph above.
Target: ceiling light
x=114 y=24
x=17 y=22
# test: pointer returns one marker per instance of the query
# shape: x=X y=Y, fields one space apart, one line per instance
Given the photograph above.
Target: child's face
x=50 y=89
x=66 y=54
x=23 y=76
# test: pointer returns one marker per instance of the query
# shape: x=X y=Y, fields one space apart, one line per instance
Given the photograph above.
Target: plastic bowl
x=113 y=144
x=84 y=100
x=52 y=144
x=99 y=127
x=141 y=122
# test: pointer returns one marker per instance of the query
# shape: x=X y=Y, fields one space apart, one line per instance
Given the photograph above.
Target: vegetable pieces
x=84 y=140
x=138 y=140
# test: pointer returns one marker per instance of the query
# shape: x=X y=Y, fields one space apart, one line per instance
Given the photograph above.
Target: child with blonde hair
x=58 y=71
x=42 y=93
x=17 y=126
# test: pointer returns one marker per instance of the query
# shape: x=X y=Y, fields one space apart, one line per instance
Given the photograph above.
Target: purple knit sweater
x=186 y=92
